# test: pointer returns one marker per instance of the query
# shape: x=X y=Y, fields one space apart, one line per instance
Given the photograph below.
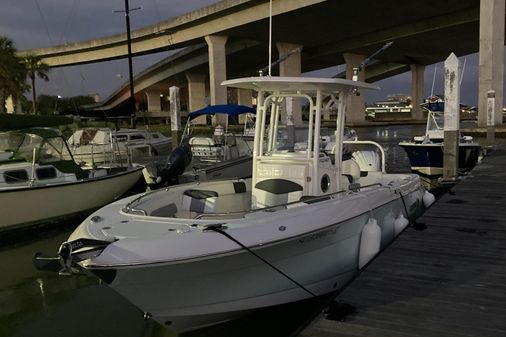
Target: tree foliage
x=35 y=68
x=12 y=72
x=55 y=105
x=15 y=70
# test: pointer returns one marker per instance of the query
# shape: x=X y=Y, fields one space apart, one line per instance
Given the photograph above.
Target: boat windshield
x=290 y=139
x=54 y=149
x=436 y=121
x=10 y=142
x=282 y=136
x=22 y=146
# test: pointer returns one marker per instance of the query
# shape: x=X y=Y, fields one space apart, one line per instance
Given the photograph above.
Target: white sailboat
x=40 y=182
x=107 y=146
x=200 y=253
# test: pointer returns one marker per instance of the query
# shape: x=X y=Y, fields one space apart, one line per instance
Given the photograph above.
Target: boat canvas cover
x=232 y=110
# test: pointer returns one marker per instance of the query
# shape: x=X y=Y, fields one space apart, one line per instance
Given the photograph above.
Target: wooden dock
x=447 y=280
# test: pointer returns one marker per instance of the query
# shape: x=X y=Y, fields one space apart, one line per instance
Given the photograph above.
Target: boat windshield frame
x=24 y=145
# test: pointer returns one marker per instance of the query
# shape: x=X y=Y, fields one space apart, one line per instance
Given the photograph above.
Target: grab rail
x=370 y=142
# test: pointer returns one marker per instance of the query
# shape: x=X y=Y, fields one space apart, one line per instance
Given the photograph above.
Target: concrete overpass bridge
x=230 y=39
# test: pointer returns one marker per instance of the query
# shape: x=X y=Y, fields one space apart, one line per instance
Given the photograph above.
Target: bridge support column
x=175 y=115
x=417 y=94
x=153 y=97
x=197 y=95
x=217 y=73
x=491 y=58
x=10 y=105
x=355 y=105
x=17 y=106
x=291 y=66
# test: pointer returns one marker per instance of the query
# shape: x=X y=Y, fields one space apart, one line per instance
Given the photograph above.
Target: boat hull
x=188 y=294
x=427 y=159
x=28 y=206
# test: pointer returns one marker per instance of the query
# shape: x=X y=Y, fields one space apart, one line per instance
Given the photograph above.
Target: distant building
x=395 y=103
x=96 y=97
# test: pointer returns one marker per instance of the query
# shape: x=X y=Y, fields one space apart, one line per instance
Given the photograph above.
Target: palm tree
x=12 y=72
x=35 y=68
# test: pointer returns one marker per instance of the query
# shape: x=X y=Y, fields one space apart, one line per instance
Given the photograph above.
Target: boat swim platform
x=447 y=280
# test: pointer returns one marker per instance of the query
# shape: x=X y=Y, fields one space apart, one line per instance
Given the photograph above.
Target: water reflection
x=389 y=137
x=36 y=303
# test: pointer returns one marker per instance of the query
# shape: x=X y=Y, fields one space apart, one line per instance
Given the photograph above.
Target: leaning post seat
x=218 y=198
x=273 y=192
x=351 y=170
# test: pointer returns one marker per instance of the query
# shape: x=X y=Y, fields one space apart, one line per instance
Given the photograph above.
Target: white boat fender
x=370 y=241
x=399 y=224
x=428 y=199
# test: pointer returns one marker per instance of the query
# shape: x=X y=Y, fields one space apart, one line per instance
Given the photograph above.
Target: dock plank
x=447 y=280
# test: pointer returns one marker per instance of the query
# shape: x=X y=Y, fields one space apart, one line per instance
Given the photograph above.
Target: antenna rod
x=270 y=36
x=281 y=59
x=368 y=59
x=462 y=73
x=433 y=81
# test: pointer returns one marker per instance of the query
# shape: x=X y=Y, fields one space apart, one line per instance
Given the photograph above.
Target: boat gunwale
x=238 y=250
x=398 y=194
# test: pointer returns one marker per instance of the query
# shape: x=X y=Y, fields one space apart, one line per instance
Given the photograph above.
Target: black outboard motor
x=178 y=160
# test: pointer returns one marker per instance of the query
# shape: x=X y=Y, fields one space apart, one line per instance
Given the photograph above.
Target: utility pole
x=131 y=99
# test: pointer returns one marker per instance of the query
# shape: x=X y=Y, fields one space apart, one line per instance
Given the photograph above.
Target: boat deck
x=447 y=280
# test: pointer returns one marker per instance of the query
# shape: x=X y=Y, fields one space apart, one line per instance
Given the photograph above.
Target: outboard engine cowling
x=177 y=162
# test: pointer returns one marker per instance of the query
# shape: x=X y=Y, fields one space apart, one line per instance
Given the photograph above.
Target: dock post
x=451 y=118
x=175 y=116
x=490 y=118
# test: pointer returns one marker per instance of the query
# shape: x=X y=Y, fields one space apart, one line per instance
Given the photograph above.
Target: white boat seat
x=351 y=170
x=169 y=210
x=273 y=192
x=200 y=201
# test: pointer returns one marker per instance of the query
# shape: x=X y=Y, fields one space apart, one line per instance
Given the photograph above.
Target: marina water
x=36 y=303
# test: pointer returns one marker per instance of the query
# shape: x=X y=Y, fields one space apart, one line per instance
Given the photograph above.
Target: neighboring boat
x=425 y=152
x=107 y=146
x=222 y=155
x=38 y=183
x=200 y=253
x=397 y=105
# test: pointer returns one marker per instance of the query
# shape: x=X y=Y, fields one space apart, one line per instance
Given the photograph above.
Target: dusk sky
x=42 y=23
